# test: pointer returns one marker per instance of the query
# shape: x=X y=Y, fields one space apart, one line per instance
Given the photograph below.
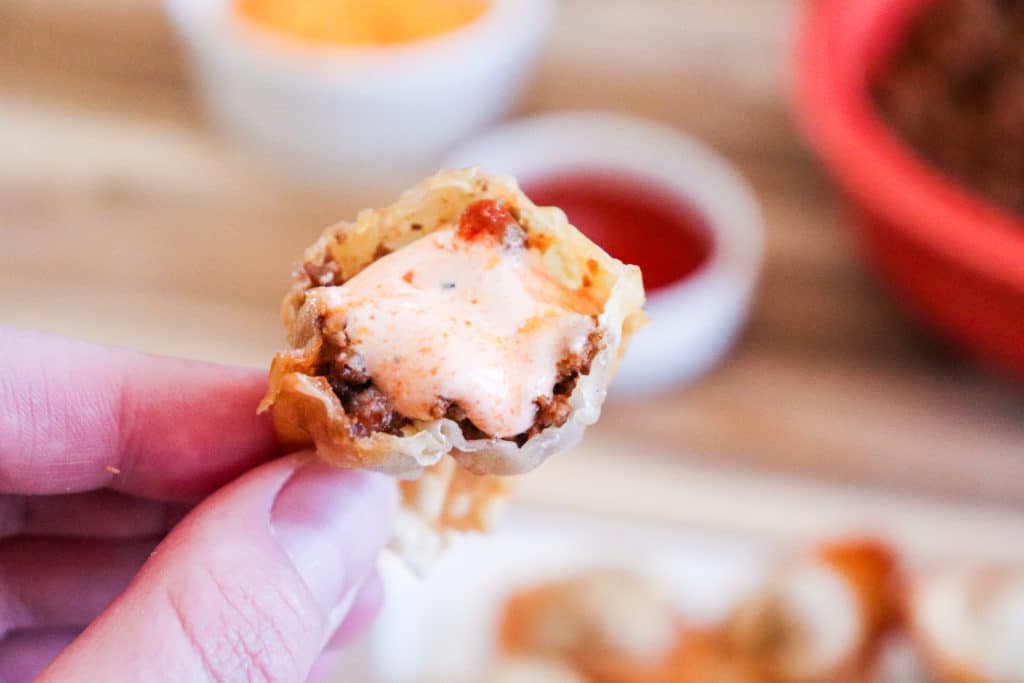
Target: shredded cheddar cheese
x=361 y=22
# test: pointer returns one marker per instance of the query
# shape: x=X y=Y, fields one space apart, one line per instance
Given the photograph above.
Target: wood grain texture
x=125 y=220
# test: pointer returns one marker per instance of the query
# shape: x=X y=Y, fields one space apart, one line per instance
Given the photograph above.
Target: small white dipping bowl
x=695 y=320
x=368 y=119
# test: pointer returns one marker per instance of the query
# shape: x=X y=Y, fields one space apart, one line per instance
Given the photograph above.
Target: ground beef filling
x=370 y=411
x=954 y=90
x=325 y=274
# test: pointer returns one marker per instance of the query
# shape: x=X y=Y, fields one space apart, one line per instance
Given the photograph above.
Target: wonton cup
x=820 y=619
x=335 y=388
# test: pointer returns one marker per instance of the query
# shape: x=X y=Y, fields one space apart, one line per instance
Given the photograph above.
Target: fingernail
x=358 y=616
x=340 y=611
x=332 y=524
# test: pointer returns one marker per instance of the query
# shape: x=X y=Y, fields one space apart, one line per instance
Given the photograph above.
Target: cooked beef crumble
x=954 y=90
x=326 y=274
x=366 y=406
x=456 y=413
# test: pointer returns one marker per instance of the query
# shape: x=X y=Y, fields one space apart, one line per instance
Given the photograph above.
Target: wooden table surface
x=124 y=219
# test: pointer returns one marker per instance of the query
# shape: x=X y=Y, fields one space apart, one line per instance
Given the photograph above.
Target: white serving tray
x=442 y=628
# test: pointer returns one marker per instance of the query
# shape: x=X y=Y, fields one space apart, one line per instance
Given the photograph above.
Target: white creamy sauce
x=459 y=320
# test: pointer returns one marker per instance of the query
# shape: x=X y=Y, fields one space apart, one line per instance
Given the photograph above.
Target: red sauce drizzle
x=485 y=218
x=632 y=218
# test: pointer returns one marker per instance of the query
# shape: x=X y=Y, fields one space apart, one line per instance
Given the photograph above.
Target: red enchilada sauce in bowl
x=633 y=219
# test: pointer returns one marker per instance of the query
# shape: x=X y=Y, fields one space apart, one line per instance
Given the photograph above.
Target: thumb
x=249 y=587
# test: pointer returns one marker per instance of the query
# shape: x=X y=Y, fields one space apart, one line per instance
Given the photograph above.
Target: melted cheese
x=362 y=22
x=444 y=318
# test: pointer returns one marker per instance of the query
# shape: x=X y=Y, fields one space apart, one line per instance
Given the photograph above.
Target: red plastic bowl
x=957 y=261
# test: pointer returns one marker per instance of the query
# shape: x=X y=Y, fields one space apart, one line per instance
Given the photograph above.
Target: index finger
x=76 y=417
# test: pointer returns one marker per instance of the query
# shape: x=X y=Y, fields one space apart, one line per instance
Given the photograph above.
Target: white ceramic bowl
x=365 y=118
x=695 y=320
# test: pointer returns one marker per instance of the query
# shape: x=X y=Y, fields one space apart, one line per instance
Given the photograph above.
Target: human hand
x=102 y=452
